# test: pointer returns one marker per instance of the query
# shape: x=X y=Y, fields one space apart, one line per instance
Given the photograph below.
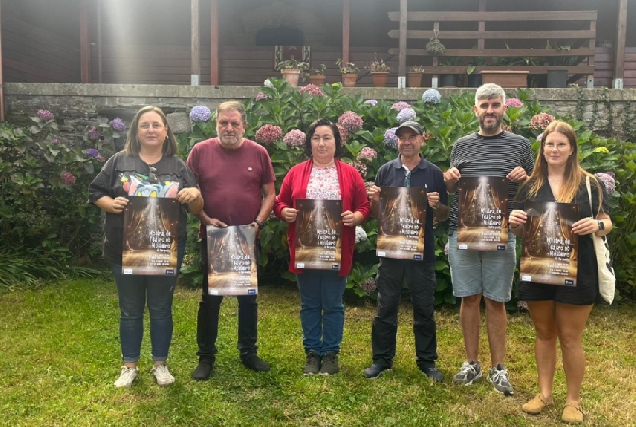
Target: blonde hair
x=572 y=177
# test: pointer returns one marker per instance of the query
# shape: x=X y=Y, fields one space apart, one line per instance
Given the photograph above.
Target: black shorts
x=583 y=294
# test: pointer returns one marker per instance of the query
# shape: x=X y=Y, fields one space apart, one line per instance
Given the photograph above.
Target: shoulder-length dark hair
x=312 y=130
x=133 y=146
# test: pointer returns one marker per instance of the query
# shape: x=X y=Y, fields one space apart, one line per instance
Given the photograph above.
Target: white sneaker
x=162 y=375
x=126 y=377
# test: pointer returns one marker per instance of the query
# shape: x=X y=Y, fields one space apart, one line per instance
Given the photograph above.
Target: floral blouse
x=323 y=184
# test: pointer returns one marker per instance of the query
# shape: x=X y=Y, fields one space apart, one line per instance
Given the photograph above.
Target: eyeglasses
x=407 y=179
x=560 y=146
x=152 y=177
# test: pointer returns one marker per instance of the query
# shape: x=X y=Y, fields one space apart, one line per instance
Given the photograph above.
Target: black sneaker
x=434 y=374
x=312 y=363
x=255 y=363
x=329 y=365
x=375 y=371
x=202 y=371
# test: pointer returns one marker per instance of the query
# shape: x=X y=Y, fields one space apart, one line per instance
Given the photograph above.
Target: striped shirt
x=475 y=155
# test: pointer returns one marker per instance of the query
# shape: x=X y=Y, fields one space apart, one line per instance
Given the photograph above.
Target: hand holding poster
x=550 y=249
x=401 y=222
x=482 y=217
x=151 y=228
x=318 y=234
x=231 y=261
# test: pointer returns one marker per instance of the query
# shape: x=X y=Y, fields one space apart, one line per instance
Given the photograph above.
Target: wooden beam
x=346 y=27
x=502 y=52
x=85 y=47
x=402 y=44
x=619 y=56
x=581 y=15
x=195 y=46
x=214 y=43
x=502 y=35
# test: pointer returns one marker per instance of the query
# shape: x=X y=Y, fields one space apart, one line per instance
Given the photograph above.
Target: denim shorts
x=482 y=272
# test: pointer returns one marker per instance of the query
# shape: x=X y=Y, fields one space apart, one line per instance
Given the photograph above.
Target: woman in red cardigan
x=323 y=177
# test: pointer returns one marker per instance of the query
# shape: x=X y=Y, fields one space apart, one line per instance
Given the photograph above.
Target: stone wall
x=78 y=106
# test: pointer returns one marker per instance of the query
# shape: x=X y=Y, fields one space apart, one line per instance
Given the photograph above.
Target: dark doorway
x=280 y=36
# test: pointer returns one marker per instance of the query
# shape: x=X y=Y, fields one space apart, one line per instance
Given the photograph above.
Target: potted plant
x=317 y=76
x=414 y=77
x=450 y=79
x=434 y=46
x=559 y=77
x=349 y=72
x=291 y=70
x=379 y=72
x=474 y=79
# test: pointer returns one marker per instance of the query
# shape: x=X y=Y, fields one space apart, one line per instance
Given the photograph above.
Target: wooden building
x=223 y=42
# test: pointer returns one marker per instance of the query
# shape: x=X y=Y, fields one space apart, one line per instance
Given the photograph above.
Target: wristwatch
x=260 y=224
x=601 y=225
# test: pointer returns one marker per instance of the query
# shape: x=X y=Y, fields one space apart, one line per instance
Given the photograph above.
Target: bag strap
x=589 y=192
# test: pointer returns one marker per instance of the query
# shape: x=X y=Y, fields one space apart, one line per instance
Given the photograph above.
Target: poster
x=318 y=234
x=231 y=262
x=550 y=249
x=151 y=228
x=482 y=215
x=401 y=223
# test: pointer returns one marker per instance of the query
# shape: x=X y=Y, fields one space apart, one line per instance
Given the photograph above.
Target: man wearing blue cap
x=409 y=169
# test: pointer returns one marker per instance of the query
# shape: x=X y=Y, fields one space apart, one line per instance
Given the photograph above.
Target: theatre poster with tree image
x=231 y=261
x=482 y=217
x=151 y=228
x=401 y=223
x=318 y=234
x=550 y=249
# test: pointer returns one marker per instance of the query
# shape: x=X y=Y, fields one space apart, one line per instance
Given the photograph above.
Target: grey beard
x=495 y=126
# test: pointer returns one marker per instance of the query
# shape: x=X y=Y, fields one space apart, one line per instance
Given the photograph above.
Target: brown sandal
x=572 y=413
x=536 y=405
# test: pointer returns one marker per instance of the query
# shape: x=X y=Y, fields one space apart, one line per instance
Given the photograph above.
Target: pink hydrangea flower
x=369 y=286
x=68 y=178
x=514 y=102
x=400 y=106
x=541 y=121
x=45 y=115
x=344 y=133
x=351 y=121
x=268 y=134
x=261 y=96
x=360 y=167
x=294 y=138
x=312 y=90
x=608 y=179
x=367 y=153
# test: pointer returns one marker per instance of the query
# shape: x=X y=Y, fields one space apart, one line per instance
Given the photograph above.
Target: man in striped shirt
x=491 y=151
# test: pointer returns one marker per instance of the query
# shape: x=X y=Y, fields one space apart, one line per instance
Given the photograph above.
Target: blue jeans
x=133 y=291
x=321 y=309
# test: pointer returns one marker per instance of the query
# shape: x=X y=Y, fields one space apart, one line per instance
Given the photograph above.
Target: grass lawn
x=59 y=351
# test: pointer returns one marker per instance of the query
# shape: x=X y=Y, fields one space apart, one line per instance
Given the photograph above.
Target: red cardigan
x=354 y=198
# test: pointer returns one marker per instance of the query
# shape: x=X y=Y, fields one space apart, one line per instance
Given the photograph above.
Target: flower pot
x=448 y=80
x=317 y=79
x=557 y=78
x=474 y=80
x=379 y=78
x=414 y=79
x=291 y=75
x=349 y=80
x=508 y=79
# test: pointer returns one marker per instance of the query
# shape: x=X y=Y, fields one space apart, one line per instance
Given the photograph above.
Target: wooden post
x=214 y=43
x=435 y=77
x=195 y=63
x=1 y=76
x=402 y=46
x=619 y=54
x=85 y=46
x=590 y=60
x=346 y=11
x=481 y=42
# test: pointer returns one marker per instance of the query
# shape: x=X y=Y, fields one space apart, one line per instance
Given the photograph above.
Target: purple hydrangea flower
x=117 y=125
x=91 y=152
x=400 y=106
x=200 y=113
x=351 y=121
x=608 y=179
x=371 y=102
x=55 y=141
x=431 y=96
x=68 y=178
x=514 y=102
x=390 y=138
x=94 y=134
x=45 y=115
x=294 y=138
x=406 y=114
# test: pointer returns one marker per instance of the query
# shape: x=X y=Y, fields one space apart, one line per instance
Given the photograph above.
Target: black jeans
x=208 y=317
x=420 y=278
